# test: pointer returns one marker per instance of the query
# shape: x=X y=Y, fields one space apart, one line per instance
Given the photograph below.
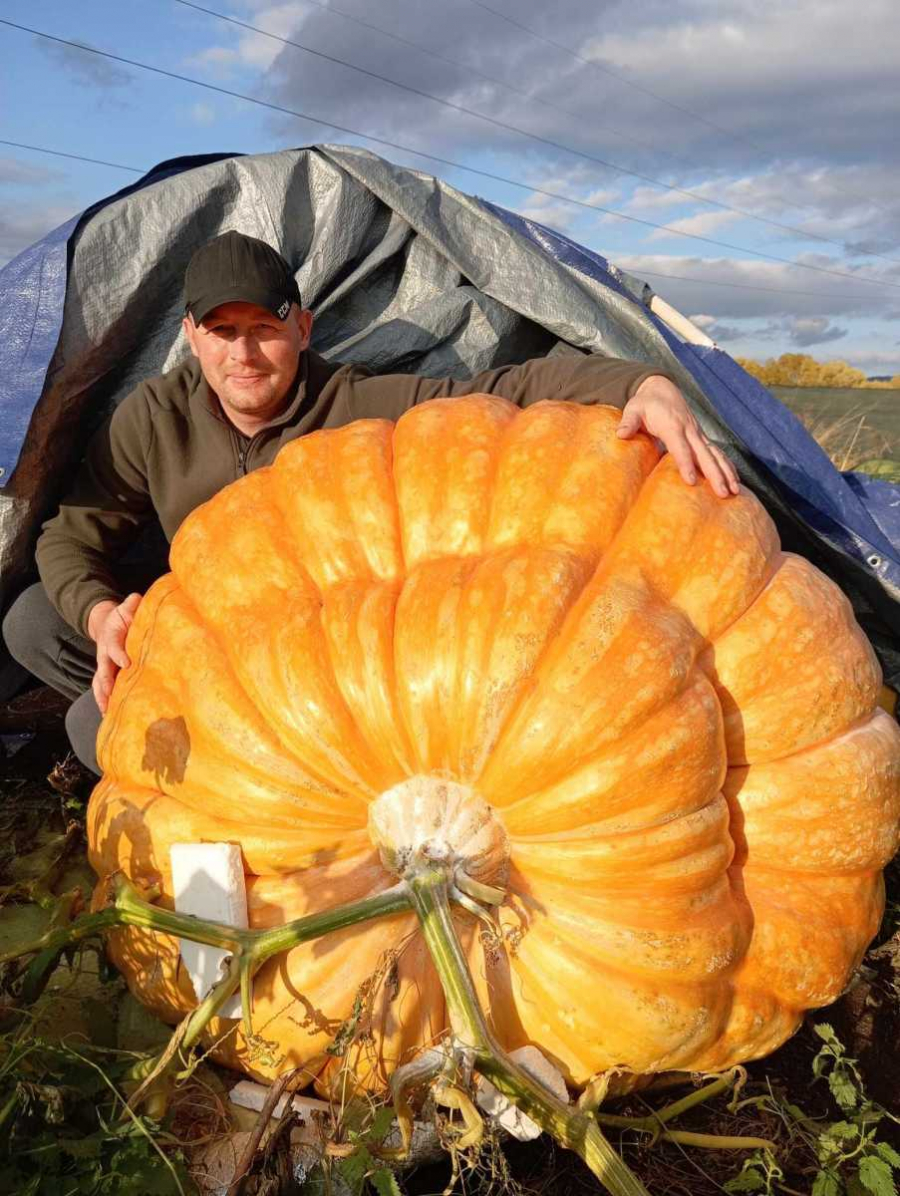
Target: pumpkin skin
x=675 y=722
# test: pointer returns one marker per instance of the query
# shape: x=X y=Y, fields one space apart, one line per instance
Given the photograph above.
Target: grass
x=852 y=426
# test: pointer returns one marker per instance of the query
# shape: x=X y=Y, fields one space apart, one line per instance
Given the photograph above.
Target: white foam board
x=208 y=882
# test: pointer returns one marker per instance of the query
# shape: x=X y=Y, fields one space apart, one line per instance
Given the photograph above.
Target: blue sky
x=787 y=112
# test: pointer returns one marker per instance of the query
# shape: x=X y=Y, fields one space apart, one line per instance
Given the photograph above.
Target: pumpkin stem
x=429 y=890
x=249 y=949
x=130 y=908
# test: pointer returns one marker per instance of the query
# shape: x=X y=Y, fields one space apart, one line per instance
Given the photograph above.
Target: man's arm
x=658 y=407
x=108 y=624
x=648 y=398
x=100 y=516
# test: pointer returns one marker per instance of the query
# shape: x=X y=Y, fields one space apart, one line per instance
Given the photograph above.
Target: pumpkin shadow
x=167 y=750
x=345 y=886
x=494 y=962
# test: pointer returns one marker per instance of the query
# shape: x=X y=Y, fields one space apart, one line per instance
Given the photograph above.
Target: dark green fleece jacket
x=168 y=448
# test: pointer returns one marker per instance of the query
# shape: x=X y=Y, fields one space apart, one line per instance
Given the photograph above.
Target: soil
x=43 y=789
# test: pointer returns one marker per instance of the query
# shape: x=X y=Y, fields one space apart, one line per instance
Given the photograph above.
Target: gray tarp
x=403 y=273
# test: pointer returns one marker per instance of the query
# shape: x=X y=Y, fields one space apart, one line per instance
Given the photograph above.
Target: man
x=251 y=386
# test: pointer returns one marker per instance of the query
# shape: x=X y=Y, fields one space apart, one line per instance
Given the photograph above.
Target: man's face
x=249 y=357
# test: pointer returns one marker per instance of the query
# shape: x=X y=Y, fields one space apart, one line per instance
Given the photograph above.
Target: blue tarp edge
x=858 y=515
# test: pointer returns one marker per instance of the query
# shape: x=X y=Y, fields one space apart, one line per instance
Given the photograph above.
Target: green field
x=853 y=425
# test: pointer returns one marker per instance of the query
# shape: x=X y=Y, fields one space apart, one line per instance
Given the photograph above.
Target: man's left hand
x=658 y=407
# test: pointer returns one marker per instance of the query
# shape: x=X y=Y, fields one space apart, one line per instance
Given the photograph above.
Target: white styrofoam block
x=250 y=1095
x=313 y=1131
x=496 y=1105
x=208 y=882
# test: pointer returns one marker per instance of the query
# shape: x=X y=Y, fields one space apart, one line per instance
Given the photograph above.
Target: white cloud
x=871 y=360
x=703 y=224
x=14 y=172
x=21 y=226
x=693 y=52
x=253 y=50
x=545 y=211
x=716 y=330
x=203 y=114
x=805 y=331
x=733 y=287
x=217 y=59
x=648 y=199
x=558 y=214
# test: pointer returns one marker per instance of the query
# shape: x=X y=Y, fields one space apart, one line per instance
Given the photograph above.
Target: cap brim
x=273 y=302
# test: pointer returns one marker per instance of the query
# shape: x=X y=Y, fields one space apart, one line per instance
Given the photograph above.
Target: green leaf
x=843 y=1130
x=385 y=1183
x=381 y=1124
x=39 y=972
x=888 y=1153
x=881 y=467
x=798 y=1114
x=843 y=1090
x=827 y=1184
x=876 y=1177
x=746 y=1181
x=354 y=1169
x=827 y=1034
x=81 y=1148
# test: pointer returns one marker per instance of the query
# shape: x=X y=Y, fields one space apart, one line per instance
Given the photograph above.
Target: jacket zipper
x=244 y=453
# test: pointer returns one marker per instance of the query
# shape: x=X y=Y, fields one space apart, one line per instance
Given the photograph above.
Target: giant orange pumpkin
x=675 y=722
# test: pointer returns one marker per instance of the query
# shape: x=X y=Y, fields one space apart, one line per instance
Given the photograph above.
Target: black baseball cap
x=234 y=268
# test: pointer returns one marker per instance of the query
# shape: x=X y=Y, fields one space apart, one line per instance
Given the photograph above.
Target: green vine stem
x=427 y=892
x=656 y=1123
x=130 y=908
x=718 y=1141
x=249 y=950
x=572 y=1128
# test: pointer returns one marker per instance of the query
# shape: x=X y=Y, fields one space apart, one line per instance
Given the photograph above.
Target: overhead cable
x=742 y=286
x=625 y=81
x=497 y=178
x=710 y=282
x=39 y=149
x=511 y=128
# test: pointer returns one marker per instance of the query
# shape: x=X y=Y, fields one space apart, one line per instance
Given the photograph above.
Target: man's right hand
x=107 y=626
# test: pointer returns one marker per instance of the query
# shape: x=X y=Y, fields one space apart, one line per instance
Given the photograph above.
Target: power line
x=707 y=282
x=613 y=74
x=76 y=157
x=743 y=286
x=605 y=70
x=332 y=10
x=497 y=178
x=510 y=128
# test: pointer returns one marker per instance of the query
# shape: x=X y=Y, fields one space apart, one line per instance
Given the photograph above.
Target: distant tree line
x=796 y=369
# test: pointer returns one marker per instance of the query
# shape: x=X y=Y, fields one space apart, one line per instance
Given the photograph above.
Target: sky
x=780 y=119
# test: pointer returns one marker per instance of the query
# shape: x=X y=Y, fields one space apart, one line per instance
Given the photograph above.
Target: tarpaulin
x=404 y=273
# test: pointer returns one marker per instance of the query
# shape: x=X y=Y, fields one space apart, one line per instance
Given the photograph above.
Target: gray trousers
x=44 y=643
